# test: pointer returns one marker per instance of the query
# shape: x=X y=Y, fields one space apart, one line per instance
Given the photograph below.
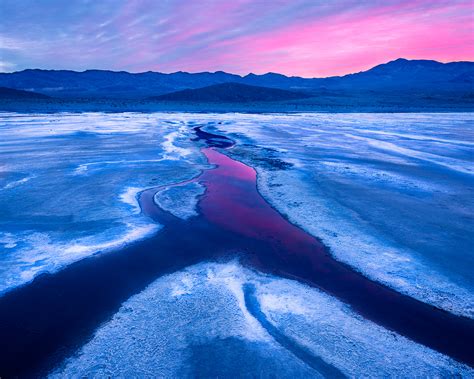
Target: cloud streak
x=294 y=37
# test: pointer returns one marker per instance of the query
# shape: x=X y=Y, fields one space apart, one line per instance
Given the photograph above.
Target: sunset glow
x=296 y=37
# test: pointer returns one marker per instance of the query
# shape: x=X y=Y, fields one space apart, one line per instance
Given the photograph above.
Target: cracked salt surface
x=390 y=194
x=394 y=203
x=196 y=323
x=181 y=201
x=70 y=182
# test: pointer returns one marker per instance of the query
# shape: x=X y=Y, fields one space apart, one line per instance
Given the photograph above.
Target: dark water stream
x=49 y=319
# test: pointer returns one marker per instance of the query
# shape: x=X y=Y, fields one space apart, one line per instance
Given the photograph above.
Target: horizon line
x=230 y=73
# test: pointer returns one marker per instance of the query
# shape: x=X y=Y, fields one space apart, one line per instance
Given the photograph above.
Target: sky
x=309 y=38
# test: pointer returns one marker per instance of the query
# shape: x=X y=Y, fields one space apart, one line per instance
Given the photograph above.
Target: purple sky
x=294 y=37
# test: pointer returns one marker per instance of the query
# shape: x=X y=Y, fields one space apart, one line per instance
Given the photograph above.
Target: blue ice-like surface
x=392 y=195
x=199 y=322
x=181 y=201
x=68 y=184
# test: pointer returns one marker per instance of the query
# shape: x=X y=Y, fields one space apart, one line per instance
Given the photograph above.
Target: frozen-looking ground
x=68 y=184
x=228 y=320
x=187 y=194
x=390 y=194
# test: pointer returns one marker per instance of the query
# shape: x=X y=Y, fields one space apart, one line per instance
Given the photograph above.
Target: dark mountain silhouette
x=231 y=93
x=411 y=74
x=109 y=84
x=15 y=94
x=422 y=76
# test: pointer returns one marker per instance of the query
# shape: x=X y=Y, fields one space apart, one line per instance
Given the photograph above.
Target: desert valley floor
x=194 y=244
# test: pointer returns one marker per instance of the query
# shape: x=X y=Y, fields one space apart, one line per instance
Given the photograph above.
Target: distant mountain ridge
x=9 y=93
x=231 y=93
x=398 y=75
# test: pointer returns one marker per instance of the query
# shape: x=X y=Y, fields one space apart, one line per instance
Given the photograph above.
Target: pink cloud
x=348 y=42
x=294 y=37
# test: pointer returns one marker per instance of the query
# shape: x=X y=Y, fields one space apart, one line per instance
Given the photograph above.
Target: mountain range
x=10 y=93
x=401 y=75
x=231 y=93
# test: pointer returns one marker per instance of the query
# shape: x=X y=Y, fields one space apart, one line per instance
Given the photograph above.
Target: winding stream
x=49 y=319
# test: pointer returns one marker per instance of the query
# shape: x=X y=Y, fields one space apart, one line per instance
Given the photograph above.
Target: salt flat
x=389 y=194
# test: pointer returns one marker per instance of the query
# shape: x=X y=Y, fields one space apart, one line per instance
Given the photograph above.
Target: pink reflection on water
x=234 y=203
x=228 y=167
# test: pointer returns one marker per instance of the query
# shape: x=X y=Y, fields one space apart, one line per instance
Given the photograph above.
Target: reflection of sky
x=297 y=37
